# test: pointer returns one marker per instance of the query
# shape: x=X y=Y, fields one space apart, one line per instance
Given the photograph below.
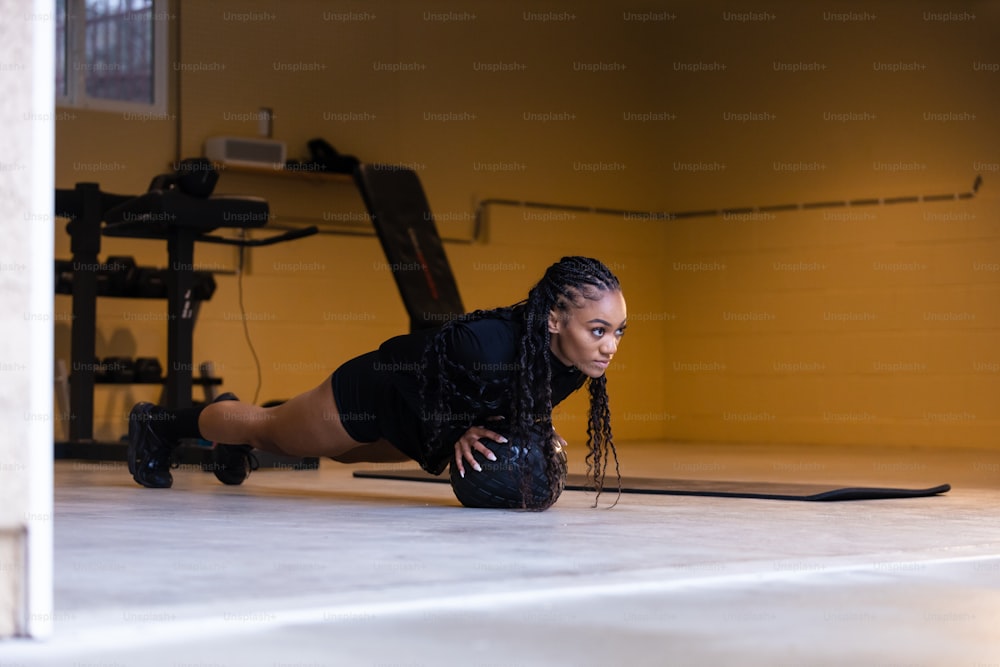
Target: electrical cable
x=246 y=327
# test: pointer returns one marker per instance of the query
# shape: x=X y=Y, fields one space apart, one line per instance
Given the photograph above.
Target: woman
x=427 y=396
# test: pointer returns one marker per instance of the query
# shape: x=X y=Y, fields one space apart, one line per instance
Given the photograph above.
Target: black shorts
x=358 y=390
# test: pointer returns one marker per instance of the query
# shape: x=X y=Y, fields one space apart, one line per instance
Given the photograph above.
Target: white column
x=27 y=117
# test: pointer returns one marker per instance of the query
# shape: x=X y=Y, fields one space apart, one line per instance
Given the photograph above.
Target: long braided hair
x=453 y=388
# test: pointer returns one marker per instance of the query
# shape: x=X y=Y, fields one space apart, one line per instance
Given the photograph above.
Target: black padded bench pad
x=155 y=213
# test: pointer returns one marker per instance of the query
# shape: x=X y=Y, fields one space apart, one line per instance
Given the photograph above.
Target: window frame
x=75 y=96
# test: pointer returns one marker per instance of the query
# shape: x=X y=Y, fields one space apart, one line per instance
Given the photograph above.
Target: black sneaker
x=232 y=464
x=148 y=453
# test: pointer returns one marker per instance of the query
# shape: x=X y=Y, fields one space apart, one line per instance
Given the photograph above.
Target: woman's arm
x=481 y=361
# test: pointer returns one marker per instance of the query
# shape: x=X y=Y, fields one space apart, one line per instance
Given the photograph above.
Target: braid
x=599 y=439
x=564 y=284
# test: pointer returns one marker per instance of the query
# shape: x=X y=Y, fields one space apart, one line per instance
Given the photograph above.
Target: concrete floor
x=319 y=568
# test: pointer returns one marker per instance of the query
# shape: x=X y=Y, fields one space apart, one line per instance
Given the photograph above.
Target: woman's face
x=587 y=336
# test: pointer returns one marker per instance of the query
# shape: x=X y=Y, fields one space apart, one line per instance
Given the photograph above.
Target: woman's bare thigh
x=309 y=425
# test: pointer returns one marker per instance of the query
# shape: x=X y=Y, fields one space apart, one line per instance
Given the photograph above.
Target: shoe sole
x=135 y=426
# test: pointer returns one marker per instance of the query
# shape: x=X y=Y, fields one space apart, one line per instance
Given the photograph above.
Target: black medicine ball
x=501 y=484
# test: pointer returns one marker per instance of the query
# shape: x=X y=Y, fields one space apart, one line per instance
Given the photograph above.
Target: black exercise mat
x=700 y=487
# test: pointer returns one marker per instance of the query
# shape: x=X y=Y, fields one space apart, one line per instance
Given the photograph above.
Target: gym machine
x=178 y=208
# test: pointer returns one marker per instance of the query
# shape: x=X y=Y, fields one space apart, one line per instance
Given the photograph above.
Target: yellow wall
x=564 y=122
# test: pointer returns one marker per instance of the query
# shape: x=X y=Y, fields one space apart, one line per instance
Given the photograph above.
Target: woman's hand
x=469 y=442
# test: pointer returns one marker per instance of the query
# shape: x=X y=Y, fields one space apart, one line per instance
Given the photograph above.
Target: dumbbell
x=118 y=369
x=148 y=369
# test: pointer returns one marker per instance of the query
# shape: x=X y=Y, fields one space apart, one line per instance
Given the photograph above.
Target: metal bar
x=354 y=232
x=180 y=325
x=85 y=243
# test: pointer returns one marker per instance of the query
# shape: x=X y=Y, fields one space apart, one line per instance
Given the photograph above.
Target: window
x=111 y=54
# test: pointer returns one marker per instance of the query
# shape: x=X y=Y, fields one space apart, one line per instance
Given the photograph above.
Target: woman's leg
x=307 y=425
